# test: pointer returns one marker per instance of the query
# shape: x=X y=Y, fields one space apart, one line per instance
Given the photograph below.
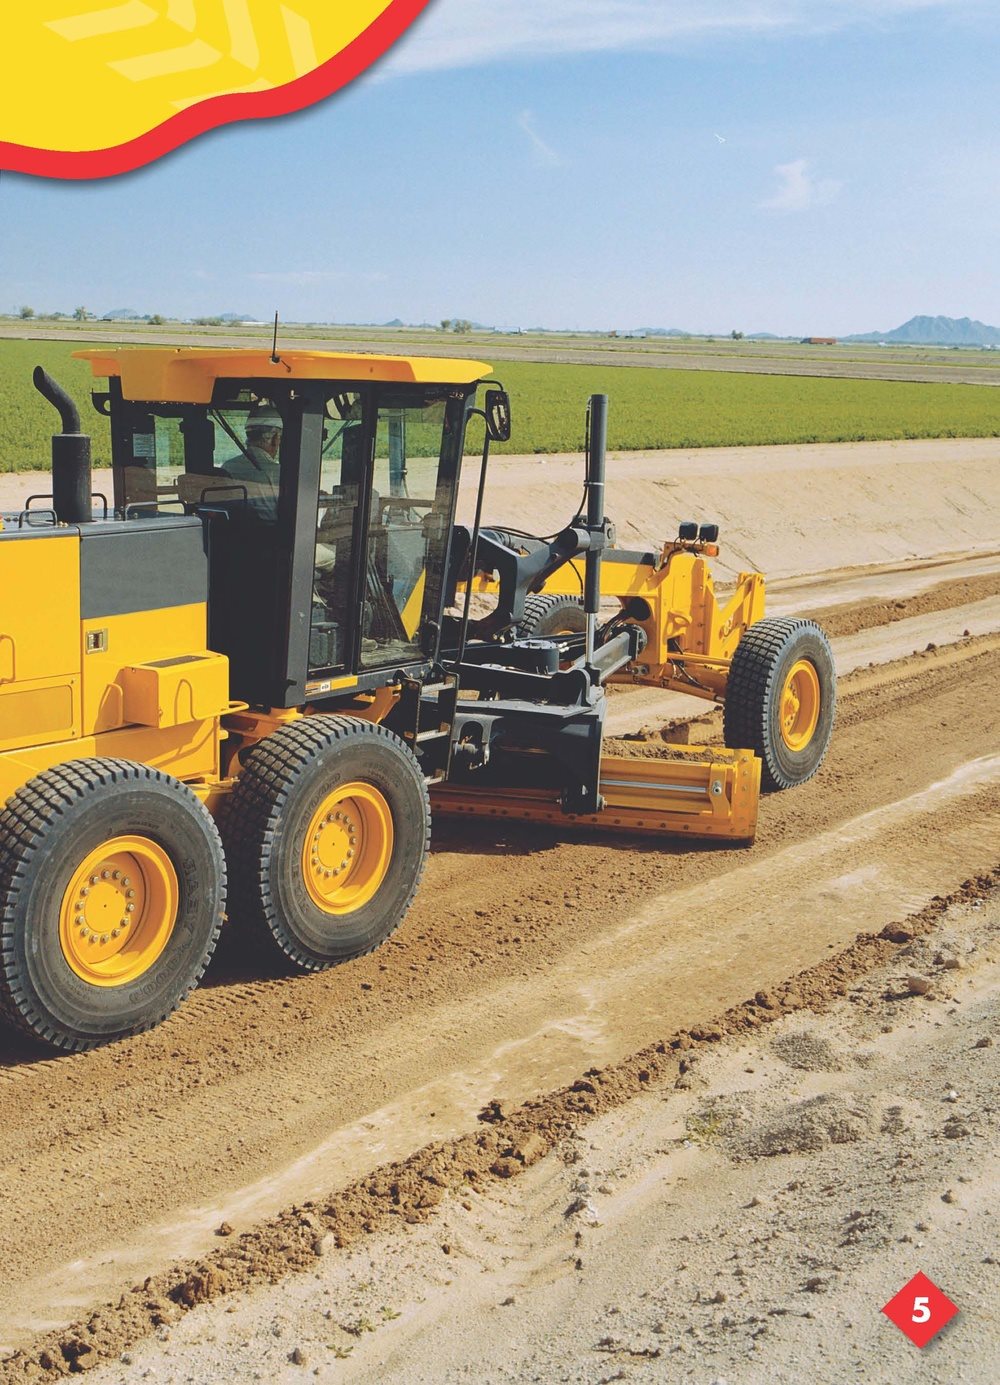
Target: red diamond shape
x=920 y=1310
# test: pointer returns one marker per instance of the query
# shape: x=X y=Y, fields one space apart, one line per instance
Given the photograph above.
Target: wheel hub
x=800 y=705
x=347 y=848
x=118 y=911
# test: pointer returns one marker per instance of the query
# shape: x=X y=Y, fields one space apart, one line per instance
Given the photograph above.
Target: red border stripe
x=187 y=125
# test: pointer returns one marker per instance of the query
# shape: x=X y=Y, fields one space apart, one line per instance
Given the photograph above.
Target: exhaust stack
x=71 y=466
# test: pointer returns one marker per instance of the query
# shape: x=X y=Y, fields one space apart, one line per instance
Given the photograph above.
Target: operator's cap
x=263 y=418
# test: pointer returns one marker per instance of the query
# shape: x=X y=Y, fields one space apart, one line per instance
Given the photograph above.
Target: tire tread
x=255 y=808
x=538 y=606
x=751 y=686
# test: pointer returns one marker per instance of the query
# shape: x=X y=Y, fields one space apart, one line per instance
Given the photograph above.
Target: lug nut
x=105 y=875
x=130 y=894
x=94 y=879
x=130 y=908
x=116 y=875
x=116 y=932
x=104 y=938
x=126 y=881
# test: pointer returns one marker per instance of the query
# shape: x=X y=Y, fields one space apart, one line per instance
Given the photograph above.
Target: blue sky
x=795 y=166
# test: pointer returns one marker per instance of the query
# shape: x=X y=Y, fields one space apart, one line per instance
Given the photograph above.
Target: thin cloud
x=799 y=189
x=544 y=154
x=471 y=33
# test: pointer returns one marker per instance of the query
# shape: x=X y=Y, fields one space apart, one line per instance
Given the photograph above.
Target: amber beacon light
x=101 y=88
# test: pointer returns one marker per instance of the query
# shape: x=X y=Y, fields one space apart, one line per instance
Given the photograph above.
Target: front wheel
x=326 y=834
x=781 y=697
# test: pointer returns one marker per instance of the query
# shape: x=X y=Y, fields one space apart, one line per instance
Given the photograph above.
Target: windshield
x=408 y=520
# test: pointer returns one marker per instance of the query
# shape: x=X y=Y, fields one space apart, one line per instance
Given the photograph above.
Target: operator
x=257 y=467
x=259 y=470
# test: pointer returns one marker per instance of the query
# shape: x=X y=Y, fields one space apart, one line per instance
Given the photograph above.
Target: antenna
x=275 y=358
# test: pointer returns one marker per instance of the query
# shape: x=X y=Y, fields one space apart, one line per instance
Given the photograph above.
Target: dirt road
x=744 y=1219
x=527 y=958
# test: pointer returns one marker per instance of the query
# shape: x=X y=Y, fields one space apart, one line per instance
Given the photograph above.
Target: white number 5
x=921 y=1312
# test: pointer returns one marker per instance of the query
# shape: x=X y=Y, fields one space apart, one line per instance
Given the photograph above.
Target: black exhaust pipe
x=71 y=466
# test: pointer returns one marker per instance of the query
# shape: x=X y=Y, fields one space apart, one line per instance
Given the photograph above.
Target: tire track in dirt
x=507 y=1142
x=254 y=1074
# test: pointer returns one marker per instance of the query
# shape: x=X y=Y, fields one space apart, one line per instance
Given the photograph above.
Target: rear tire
x=546 y=617
x=327 y=833
x=781 y=697
x=112 y=890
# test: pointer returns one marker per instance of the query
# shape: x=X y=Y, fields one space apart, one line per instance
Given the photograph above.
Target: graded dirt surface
x=745 y=1219
x=530 y=958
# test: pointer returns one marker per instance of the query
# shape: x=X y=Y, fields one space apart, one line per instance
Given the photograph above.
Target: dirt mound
x=804 y=1127
x=802 y=1048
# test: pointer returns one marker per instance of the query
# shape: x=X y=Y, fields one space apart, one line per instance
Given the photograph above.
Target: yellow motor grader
x=272 y=652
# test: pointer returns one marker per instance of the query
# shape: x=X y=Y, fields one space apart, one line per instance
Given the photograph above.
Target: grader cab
x=238 y=687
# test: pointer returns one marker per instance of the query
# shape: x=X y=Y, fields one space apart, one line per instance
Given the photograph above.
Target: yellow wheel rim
x=800 y=705
x=119 y=911
x=347 y=848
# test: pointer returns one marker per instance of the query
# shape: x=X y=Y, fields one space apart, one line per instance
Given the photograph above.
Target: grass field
x=649 y=408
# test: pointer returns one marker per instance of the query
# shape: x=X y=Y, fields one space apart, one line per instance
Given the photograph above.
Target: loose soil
x=639 y=1157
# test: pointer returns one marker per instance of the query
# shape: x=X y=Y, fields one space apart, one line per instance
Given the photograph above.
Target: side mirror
x=498 y=415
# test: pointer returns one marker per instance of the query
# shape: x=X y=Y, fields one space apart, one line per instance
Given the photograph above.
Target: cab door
x=411 y=511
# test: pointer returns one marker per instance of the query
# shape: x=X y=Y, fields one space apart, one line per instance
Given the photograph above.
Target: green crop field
x=650 y=408
x=679 y=408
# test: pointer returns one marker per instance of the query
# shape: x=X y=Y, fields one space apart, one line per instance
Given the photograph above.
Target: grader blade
x=703 y=792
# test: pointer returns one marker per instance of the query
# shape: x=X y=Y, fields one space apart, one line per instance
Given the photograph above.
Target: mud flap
x=699 y=792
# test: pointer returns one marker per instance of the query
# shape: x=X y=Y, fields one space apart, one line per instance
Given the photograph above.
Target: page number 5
x=921 y=1310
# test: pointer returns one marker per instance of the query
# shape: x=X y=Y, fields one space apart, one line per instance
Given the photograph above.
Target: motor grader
x=266 y=658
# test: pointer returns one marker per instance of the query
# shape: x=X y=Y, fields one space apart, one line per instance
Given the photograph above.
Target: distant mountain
x=937 y=331
x=236 y=317
x=122 y=315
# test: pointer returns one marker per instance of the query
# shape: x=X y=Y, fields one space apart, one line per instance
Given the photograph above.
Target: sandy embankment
x=782 y=510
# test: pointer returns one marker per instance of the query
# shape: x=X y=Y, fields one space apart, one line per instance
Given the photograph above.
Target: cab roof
x=187 y=375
